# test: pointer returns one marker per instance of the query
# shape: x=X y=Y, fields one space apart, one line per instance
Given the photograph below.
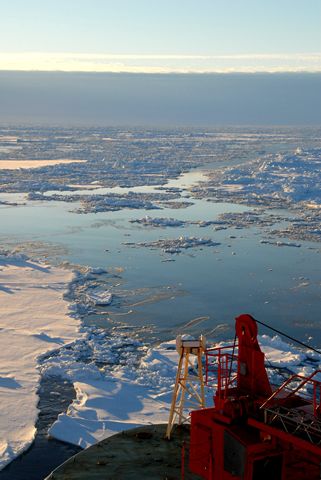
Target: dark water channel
x=45 y=454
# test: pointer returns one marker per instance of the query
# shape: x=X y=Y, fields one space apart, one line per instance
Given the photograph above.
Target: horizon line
x=163 y=73
x=160 y=63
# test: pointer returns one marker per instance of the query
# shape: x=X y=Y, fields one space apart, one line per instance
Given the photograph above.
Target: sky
x=168 y=62
x=166 y=100
x=161 y=36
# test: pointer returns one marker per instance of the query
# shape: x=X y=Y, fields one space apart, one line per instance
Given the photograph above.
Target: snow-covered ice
x=34 y=319
x=132 y=388
x=273 y=180
x=158 y=222
x=176 y=245
x=288 y=181
x=100 y=297
x=163 y=222
x=120 y=381
x=26 y=164
x=135 y=386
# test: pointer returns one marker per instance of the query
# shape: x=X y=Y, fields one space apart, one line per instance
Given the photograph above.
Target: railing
x=221 y=368
x=295 y=421
x=296 y=407
x=306 y=388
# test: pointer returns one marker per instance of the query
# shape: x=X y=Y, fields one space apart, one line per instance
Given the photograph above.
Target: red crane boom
x=255 y=432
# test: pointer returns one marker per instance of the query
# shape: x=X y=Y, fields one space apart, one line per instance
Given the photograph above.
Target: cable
x=288 y=336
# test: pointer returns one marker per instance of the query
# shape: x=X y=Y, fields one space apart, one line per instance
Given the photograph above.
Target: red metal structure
x=255 y=432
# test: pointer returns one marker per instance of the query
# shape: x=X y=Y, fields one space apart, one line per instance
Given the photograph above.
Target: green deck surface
x=140 y=453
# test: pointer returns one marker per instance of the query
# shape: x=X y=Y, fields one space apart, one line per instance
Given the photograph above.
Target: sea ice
x=138 y=391
x=99 y=297
x=176 y=245
x=34 y=320
x=120 y=382
x=289 y=181
x=159 y=222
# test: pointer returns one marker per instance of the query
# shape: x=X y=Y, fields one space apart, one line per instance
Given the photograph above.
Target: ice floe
x=176 y=245
x=274 y=180
x=121 y=379
x=134 y=386
x=278 y=243
x=27 y=164
x=163 y=222
x=34 y=320
x=288 y=181
x=159 y=222
x=100 y=297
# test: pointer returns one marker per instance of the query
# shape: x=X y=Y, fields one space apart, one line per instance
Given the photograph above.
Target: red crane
x=255 y=431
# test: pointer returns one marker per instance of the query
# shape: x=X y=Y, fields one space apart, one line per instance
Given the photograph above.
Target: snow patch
x=136 y=388
x=34 y=319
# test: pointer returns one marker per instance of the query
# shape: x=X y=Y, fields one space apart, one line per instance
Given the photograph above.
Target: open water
x=277 y=285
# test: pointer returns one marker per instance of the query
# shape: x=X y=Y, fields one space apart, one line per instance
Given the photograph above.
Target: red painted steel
x=253 y=432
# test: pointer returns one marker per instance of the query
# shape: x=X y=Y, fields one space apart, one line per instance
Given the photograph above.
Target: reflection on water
x=241 y=275
x=184 y=181
x=23 y=164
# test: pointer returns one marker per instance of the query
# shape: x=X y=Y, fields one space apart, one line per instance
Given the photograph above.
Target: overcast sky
x=160 y=99
x=182 y=62
x=161 y=36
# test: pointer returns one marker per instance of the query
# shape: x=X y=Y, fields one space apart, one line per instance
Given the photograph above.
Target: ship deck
x=133 y=454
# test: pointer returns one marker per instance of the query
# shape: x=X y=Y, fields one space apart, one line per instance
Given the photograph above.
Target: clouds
x=92 y=62
x=160 y=99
